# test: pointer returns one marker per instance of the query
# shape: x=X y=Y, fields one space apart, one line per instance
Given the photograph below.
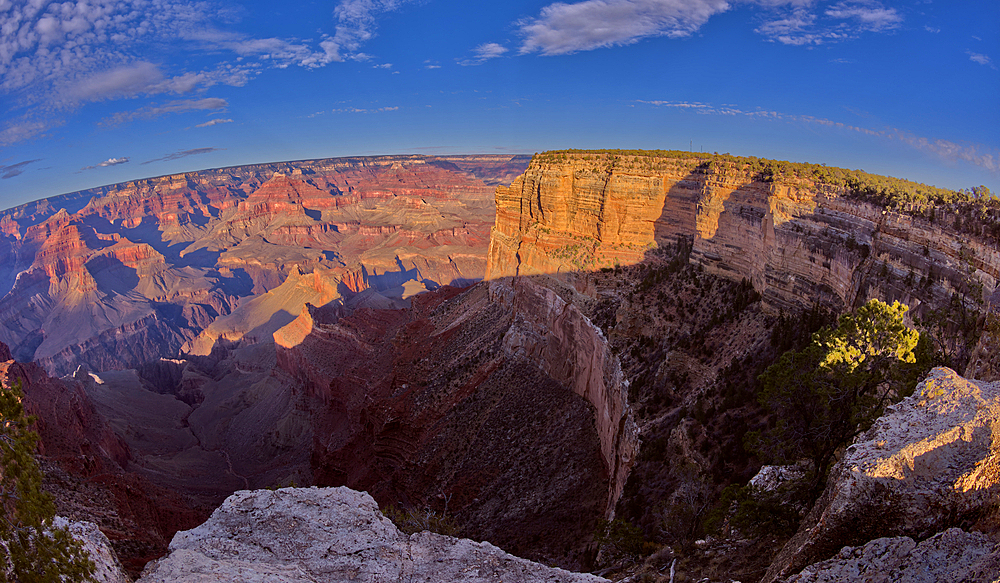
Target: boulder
x=930 y=463
x=953 y=555
x=107 y=568
x=330 y=534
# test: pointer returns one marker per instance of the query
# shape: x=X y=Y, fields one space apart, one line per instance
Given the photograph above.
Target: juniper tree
x=822 y=396
x=32 y=550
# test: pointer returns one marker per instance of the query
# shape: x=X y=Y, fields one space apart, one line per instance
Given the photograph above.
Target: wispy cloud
x=866 y=14
x=981 y=59
x=183 y=154
x=107 y=163
x=564 y=28
x=356 y=25
x=804 y=23
x=213 y=122
x=567 y=28
x=13 y=170
x=57 y=56
x=362 y=110
x=483 y=53
x=978 y=155
x=23 y=129
x=178 y=106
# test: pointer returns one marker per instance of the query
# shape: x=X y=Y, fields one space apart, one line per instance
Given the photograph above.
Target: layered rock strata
x=567 y=346
x=798 y=241
x=331 y=534
x=932 y=462
x=116 y=276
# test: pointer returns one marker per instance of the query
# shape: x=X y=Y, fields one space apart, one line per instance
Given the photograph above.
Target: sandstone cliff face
x=932 y=462
x=118 y=275
x=331 y=534
x=797 y=242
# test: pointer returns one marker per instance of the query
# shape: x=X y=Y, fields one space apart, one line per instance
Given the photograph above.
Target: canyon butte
x=557 y=354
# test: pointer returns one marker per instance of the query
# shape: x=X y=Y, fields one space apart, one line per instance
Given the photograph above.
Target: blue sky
x=98 y=92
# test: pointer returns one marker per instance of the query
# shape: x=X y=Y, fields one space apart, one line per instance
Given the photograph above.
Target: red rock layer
x=177 y=251
x=468 y=397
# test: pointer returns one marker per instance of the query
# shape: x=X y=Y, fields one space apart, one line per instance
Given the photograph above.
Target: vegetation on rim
x=33 y=550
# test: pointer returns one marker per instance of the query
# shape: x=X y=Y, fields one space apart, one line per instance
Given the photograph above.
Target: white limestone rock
x=107 y=568
x=330 y=534
x=953 y=555
x=931 y=460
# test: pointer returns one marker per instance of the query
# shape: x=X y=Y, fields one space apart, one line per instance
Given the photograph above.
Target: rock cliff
x=331 y=534
x=460 y=402
x=932 y=462
x=798 y=241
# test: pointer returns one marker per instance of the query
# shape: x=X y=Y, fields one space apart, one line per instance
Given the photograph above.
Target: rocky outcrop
x=107 y=567
x=932 y=462
x=330 y=534
x=953 y=555
x=797 y=241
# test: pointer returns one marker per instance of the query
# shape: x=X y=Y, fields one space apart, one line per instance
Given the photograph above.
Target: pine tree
x=32 y=550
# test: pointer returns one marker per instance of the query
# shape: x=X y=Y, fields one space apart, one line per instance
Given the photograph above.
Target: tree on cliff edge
x=822 y=396
x=32 y=550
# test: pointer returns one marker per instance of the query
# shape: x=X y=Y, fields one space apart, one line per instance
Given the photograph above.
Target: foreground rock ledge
x=330 y=534
x=930 y=463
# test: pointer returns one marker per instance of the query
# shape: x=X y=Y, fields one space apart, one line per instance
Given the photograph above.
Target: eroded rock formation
x=331 y=534
x=932 y=462
x=953 y=555
x=120 y=275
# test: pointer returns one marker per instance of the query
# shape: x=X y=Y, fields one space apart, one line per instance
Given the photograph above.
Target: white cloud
x=981 y=59
x=56 y=56
x=931 y=29
x=867 y=14
x=802 y=23
x=567 y=28
x=356 y=23
x=22 y=130
x=483 y=53
x=213 y=122
x=108 y=162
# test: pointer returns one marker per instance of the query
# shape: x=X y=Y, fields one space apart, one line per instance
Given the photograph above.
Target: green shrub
x=34 y=551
